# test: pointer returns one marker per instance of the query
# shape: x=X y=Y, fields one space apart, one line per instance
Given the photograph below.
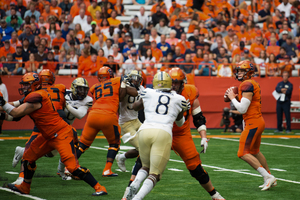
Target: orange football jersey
x=46 y=119
x=254 y=110
x=57 y=94
x=106 y=95
x=189 y=92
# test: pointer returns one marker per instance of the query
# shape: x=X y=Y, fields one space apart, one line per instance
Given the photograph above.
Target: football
x=235 y=90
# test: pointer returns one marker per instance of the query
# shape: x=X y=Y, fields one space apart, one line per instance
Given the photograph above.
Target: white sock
x=263 y=172
x=140 y=177
x=122 y=156
x=145 y=189
x=61 y=166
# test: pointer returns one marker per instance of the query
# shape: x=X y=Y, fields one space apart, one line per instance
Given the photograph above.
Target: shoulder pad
x=34 y=97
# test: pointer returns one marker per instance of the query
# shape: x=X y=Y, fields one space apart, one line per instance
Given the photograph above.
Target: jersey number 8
x=163 y=101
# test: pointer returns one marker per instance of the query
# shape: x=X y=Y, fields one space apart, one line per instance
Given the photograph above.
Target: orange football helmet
x=30 y=82
x=105 y=73
x=47 y=77
x=247 y=67
x=177 y=76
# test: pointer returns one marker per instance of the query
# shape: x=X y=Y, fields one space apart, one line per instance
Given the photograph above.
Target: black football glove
x=2 y=101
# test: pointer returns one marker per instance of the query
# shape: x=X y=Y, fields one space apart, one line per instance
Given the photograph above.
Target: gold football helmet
x=162 y=81
x=135 y=78
x=80 y=88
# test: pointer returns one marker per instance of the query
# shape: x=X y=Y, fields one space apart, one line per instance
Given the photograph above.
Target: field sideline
x=232 y=177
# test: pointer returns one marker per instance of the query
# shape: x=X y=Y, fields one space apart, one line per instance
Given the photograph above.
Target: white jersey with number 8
x=161 y=109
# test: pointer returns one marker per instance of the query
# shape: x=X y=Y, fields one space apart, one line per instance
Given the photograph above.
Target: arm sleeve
x=78 y=113
x=5 y=94
x=242 y=106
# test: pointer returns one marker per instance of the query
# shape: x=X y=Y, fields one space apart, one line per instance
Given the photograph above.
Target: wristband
x=8 y=108
x=123 y=85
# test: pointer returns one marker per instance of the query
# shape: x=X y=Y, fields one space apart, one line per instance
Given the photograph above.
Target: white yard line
x=175 y=170
x=23 y=195
x=270 y=144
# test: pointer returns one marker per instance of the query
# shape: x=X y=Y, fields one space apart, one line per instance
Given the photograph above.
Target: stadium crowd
x=86 y=35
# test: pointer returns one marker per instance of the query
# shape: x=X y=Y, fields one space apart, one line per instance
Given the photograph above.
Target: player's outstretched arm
x=78 y=113
x=23 y=109
x=138 y=105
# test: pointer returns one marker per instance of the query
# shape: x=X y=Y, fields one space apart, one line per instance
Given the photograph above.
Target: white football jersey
x=87 y=102
x=161 y=109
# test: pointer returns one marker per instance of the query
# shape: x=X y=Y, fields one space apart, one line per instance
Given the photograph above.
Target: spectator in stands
x=224 y=69
x=179 y=29
x=284 y=105
x=148 y=59
x=264 y=13
x=273 y=48
x=222 y=55
x=6 y=49
x=100 y=43
x=257 y=47
x=192 y=50
x=287 y=65
x=14 y=40
x=21 y=8
x=154 y=36
x=112 y=20
x=272 y=66
x=41 y=56
x=159 y=15
x=32 y=11
x=108 y=50
x=219 y=46
x=11 y=66
x=14 y=21
x=81 y=19
x=136 y=27
x=93 y=8
x=55 y=8
x=65 y=30
x=131 y=64
x=69 y=43
x=65 y=6
x=283 y=37
x=162 y=28
x=164 y=46
x=5 y=30
x=239 y=51
x=58 y=40
x=290 y=47
x=187 y=65
x=143 y=18
x=157 y=53
x=48 y=12
x=27 y=34
x=144 y=46
x=198 y=57
x=111 y=63
x=178 y=57
x=172 y=40
x=26 y=47
x=20 y=55
x=204 y=69
x=127 y=48
x=141 y=2
x=89 y=66
x=229 y=37
x=31 y=65
x=51 y=63
x=36 y=43
x=147 y=29
x=183 y=44
x=223 y=31
x=285 y=7
x=72 y=57
x=281 y=56
x=34 y=29
x=87 y=45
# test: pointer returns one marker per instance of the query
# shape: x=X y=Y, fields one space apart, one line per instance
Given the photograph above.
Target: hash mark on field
x=280 y=170
x=270 y=144
x=23 y=195
x=241 y=170
x=285 y=138
x=1 y=140
x=121 y=170
x=175 y=170
x=12 y=172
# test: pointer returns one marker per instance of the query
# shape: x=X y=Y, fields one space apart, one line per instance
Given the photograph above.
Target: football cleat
x=125 y=193
x=18 y=156
x=217 y=196
x=121 y=163
x=269 y=182
x=263 y=185
x=23 y=188
x=132 y=192
x=100 y=191
x=18 y=181
x=109 y=173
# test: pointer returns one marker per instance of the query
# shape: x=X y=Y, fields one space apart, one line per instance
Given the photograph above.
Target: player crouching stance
x=162 y=107
x=250 y=107
x=183 y=142
x=55 y=134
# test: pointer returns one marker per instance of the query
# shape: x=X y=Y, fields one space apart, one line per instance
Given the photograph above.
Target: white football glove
x=204 y=144
x=185 y=105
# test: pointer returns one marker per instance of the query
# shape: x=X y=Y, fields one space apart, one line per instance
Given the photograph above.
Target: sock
x=108 y=165
x=140 y=177
x=61 y=166
x=263 y=171
x=122 y=156
x=212 y=192
x=78 y=153
x=89 y=179
x=145 y=189
x=130 y=182
x=21 y=175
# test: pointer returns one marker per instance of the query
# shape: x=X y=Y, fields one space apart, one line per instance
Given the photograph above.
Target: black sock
x=212 y=192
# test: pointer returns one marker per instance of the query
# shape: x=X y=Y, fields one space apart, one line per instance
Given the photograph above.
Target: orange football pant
x=251 y=137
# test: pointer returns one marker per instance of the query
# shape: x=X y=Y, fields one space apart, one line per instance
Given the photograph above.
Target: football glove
x=2 y=101
x=204 y=144
x=185 y=105
x=126 y=79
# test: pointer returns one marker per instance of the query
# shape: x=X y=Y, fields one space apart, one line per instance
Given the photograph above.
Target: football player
x=77 y=105
x=129 y=123
x=57 y=94
x=103 y=116
x=162 y=107
x=183 y=142
x=55 y=133
x=250 y=107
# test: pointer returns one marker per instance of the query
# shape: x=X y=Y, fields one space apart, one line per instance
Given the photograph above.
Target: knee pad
x=200 y=174
x=114 y=147
x=81 y=173
x=82 y=147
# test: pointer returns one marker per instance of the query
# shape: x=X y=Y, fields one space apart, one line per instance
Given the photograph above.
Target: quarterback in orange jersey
x=57 y=94
x=103 y=116
x=182 y=142
x=55 y=134
x=250 y=106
